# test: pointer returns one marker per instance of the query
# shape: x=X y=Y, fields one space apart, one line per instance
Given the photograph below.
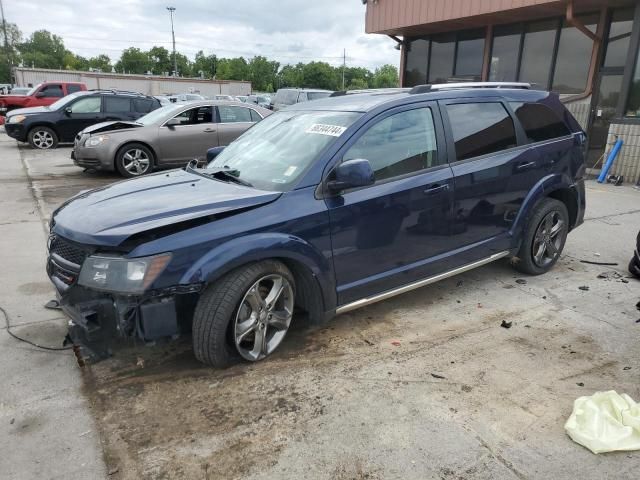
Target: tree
x=385 y=77
x=9 y=55
x=205 y=64
x=320 y=75
x=134 y=60
x=356 y=76
x=75 y=62
x=162 y=63
x=358 y=84
x=291 y=76
x=233 y=69
x=184 y=65
x=102 y=62
x=43 y=50
x=262 y=73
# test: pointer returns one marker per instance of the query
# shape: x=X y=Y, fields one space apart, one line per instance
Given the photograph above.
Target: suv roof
x=367 y=100
x=304 y=89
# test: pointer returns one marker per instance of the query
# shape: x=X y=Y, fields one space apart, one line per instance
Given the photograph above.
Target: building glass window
x=416 y=62
x=537 y=52
x=470 y=54
x=480 y=129
x=633 y=103
x=441 y=62
x=574 y=57
x=504 y=53
x=619 y=37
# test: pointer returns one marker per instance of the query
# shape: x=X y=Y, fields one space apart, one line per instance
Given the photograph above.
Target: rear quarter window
x=144 y=105
x=480 y=129
x=117 y=104
x=539 y=122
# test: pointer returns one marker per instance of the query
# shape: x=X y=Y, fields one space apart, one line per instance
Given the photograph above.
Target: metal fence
x=147 y=84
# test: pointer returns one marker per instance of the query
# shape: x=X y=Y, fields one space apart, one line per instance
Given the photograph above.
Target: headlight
x=95 y=141
x=17 y=119
x=123 y=275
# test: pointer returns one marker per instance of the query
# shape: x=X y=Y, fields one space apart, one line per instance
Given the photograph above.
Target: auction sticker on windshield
x=332 y=130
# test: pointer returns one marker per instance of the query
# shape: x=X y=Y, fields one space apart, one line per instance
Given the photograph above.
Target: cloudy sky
x=288 y=31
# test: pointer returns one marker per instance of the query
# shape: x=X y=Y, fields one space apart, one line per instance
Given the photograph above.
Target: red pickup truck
x=41 y=95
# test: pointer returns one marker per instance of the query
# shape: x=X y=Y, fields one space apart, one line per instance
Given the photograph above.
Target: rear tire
x=134 y=160
x=544 y=237
x=225 y=326
x=634 y=267
x=42 y=138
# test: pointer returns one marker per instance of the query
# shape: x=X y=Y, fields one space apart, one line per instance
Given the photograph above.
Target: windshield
x=158 y=114
x=317 y=95
x=275 y=152
x=63 y=101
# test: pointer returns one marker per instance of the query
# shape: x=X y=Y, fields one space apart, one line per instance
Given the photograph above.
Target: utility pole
x=6 y=43
x=173 y=36
x=344 y=64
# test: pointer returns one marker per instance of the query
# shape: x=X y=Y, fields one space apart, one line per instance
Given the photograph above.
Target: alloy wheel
x=136 y=161
x=548 y=239
x=263 y=317
x=42 y=139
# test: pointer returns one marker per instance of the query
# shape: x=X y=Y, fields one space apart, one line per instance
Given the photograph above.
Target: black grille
x=67 y=251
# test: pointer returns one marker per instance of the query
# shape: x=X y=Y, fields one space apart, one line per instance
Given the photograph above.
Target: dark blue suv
x=319 y=209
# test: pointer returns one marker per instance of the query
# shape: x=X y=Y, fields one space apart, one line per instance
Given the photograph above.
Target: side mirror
x=172 y=122
x=40 y=95
x=351 y=174
x=213 y=153
x=68 y=111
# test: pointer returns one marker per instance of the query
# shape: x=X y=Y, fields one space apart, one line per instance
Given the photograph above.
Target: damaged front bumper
x=99 y=320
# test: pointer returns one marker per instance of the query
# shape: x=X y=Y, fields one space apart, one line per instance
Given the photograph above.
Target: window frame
x=521 y=127
x=86 y=97
x=633 y=57
x=214 y=117
x=521 y=140
x=441 y=143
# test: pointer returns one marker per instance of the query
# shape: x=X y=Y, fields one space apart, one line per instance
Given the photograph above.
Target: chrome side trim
x=420 y=283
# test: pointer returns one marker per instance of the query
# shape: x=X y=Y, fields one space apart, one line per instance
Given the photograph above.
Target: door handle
x=209 y=130
x=435 y=189
x=524 y=166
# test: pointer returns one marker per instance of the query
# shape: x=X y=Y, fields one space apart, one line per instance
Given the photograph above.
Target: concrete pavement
x=46 y=429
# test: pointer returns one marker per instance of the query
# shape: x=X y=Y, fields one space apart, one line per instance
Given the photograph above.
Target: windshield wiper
x=231 y=175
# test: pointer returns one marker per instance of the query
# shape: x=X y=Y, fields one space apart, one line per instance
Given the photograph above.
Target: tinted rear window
x=480 y=129
x=539 y=122
x=117 y=104
x=143 y=105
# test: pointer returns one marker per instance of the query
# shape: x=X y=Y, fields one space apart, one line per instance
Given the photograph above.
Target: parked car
x=19 y=91
x=241 y=98
x=322 y=208
x=186 y=98
x=45 y=127
x=170 y=136
x=41 y=95
x=634 y=264
x=290 y=96
x=262 y=100
x=164 y=100
x=228 y=98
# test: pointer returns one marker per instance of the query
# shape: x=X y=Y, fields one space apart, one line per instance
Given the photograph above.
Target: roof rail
x=341 y=93
x=452 y=86
x=113 y=90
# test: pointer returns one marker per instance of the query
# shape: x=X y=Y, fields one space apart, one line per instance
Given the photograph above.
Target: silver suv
x=291 y=96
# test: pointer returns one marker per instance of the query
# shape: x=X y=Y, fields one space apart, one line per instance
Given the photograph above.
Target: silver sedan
x=169 y=136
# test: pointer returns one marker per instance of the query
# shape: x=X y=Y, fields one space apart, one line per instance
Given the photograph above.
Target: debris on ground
x=521 y=281
x=508 y=287
x=506 y=324
x=580 y=384
x=53 y=305
x=604 y=264
x=435 y=375
x=113 y=471
x=368 y=342
x=584 y=288
x=395 y=343
x=596 y=254
x=605 y=422
x=610 y=275
x=140 y=362
x=627 y=368
x=638 y=305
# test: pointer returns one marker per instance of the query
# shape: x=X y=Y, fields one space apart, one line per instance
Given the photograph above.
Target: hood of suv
x=108 y=216
x=28 y=111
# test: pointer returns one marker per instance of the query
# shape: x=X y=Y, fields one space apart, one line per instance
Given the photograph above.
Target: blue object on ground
x=612 y=156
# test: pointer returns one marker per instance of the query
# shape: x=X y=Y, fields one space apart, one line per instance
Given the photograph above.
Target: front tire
x=134 y=160
x=244 y=315
x=544 y=237
x=42 y=138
